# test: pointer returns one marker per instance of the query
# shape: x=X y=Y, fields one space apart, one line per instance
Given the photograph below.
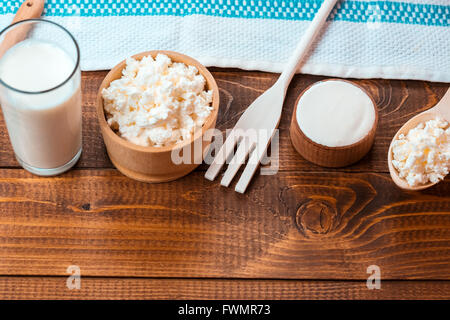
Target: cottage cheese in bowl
x=157 y=102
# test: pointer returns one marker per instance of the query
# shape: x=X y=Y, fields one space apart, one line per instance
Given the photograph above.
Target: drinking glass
x=44 y=126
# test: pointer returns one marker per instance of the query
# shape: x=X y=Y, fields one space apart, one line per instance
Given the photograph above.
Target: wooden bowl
x=154 y=164
x=330 y=156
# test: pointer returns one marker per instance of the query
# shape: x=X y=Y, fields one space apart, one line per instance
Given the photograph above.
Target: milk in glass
x=40 y=98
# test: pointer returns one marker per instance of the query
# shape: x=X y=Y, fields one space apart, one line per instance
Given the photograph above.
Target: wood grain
x=397 y=101
x=220 y=289
x=310 y=232
x=288 y=226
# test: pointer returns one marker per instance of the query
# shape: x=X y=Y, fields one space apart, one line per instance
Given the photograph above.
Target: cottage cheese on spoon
x=423 y=154
x=157 y=102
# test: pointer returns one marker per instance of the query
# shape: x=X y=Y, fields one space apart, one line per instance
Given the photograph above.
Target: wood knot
x=316 y=216
x=86 y=206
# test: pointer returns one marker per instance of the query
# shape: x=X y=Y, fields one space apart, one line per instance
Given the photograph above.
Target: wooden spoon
x=28 y=10
x=440 y=110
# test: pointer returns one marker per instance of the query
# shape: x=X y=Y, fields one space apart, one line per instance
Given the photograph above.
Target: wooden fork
x=263 y=115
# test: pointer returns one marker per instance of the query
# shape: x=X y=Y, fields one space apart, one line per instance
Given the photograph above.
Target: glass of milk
x=40 y=95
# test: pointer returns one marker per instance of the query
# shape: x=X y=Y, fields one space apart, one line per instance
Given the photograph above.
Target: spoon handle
x=28 y=10
x=443 y=106
x=307 y=40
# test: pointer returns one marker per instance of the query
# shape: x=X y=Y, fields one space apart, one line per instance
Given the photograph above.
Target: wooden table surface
x=304 y=233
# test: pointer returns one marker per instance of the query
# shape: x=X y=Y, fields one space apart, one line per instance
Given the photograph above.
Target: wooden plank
x=397 y=101
x=219 y=289
x=292 y=225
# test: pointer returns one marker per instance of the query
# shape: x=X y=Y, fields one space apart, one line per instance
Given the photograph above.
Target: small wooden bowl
x=326 y=156
x=154 y=164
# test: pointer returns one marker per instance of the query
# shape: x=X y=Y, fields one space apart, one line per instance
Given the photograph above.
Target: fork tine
x=237 y=161
x=252 y=164
x=221 y=157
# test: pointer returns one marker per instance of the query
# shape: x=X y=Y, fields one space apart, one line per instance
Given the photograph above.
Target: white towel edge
x=341 y=71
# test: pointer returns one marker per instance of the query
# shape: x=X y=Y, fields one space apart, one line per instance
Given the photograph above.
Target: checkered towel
x=403 y=39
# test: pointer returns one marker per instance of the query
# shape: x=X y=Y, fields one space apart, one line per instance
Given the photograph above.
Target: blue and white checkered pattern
x=353 y=11
x=396 y=38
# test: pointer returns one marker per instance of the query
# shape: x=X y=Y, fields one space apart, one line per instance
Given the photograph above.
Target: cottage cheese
x=423 y=155
x=157 y=102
